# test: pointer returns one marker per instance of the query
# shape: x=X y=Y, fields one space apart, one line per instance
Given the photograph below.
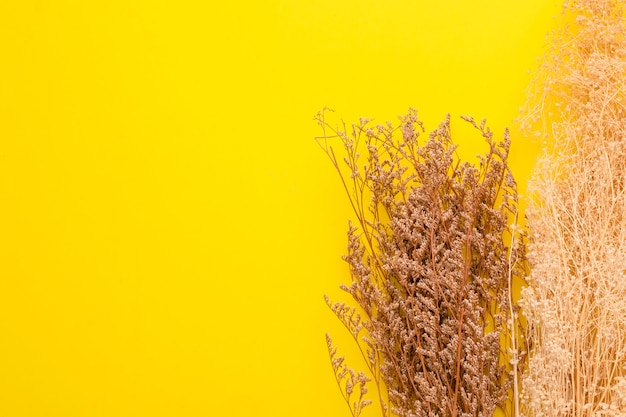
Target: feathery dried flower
x=575 y=302
x=431 y=269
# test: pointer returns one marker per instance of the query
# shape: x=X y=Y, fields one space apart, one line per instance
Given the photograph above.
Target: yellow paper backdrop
x=167 y=224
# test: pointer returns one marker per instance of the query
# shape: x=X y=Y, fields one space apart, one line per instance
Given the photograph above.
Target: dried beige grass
x=575 y=303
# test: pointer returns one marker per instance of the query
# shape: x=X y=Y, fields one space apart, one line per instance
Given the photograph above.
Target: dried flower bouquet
x=432 y=257
x=576 y=299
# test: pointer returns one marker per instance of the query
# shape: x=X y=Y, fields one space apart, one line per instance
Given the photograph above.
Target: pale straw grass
x=575 y=303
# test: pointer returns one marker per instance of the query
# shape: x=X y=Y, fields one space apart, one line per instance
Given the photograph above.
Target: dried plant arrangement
x=432 y=256
x=575 y=303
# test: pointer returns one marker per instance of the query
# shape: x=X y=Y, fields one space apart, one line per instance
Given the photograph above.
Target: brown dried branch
x=431 y=269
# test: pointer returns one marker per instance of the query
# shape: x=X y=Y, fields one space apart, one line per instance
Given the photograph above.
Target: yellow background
x=168 y=225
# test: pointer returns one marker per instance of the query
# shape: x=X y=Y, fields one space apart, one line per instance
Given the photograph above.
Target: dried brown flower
x=432 y=260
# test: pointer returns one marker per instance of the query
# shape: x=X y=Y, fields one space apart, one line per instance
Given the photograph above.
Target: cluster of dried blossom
x=576 y=300
x=432 y=260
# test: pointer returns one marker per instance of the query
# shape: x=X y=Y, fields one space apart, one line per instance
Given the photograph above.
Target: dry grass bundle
x=431 y=271
x=576 y=301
